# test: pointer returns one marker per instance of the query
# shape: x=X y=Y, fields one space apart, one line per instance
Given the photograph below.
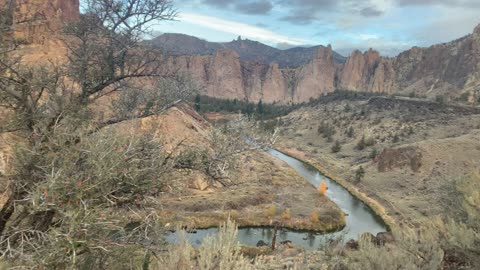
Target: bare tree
x=106 y=48
x=50 y=110
x=230 y=141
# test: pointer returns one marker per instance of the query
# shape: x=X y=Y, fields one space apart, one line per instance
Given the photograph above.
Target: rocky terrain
x=36 y=22
x=259 y=182
x=192 y=198
x=415 y=159
x=249 y=70
x=415 y=154
x=450 y=70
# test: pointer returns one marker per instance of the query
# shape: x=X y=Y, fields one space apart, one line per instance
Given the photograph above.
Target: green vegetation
x=359 y=174
x=373 y=153
x=340 y=95
x=336 y=147
x=259 y=110
x=361 y=144
x=327 y=130
x=350 y=132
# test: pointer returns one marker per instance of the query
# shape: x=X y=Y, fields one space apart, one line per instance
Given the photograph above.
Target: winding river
x=360 y=218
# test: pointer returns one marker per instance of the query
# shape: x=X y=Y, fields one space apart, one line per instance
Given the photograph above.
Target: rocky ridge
x=35 y=21
x=248 y=70
x=248 y=50
x=450 y=69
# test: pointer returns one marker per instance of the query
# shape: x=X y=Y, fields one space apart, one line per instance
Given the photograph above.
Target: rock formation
x=317 y=77
x=367 y=72
x=249 y=70
x=450 y=69
x=248 y=50
x=35 y=21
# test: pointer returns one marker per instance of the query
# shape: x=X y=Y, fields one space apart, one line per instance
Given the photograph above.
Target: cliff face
x=223 y=75
x=36 y=21
x=317 y=77
x=450 y=69
x=249 y=70
x=367 y=72
x=443 y=69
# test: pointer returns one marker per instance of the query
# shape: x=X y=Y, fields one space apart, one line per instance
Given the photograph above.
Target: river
x=360 y=218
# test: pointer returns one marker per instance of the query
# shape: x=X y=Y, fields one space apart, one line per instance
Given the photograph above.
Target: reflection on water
x=360 y=217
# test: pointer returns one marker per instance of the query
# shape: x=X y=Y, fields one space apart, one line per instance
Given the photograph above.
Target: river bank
x=379 y=210
x=265 y=191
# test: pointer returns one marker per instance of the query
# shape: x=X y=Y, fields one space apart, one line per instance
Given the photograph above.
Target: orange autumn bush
x=322 y=189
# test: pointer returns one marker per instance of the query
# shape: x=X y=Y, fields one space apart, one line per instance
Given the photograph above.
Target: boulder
x=262 y=243
x=368 y=237
x=352 y=244
x=287 y=243
x=199 y=182
x=384 y=237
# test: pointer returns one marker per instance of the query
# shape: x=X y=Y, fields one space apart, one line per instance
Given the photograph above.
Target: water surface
x=360 y=218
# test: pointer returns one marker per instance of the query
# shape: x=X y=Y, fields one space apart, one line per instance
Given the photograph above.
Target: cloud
x=242 y=29
x=218 y=3
x=386 y=47
x=449 y=25
x=300 y=17
x=300 y=11
x=371 y=12
x=304 y=12
x=454 y=3
x=260 y=7
x=257 y=7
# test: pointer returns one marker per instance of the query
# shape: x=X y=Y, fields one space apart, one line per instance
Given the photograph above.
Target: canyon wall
x=37 y=21
x=450 y=69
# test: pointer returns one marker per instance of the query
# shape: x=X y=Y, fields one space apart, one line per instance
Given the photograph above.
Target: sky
x=389 y=26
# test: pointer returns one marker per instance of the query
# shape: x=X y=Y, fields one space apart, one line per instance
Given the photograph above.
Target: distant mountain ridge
x=248 y=50
x=450 y=70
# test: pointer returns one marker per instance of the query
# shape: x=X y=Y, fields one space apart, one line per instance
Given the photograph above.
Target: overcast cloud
x=389 y=26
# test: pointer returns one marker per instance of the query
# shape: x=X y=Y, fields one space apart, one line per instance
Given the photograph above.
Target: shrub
x=220 y=251
x=314 y=216
x=327 y=130
x=270 y=211
x=350 y=132
x=395 y=139
x=286 y=214
x=370 y=141
x=359 y=174
x=322 y=189
x=361 y=144
x=373 y=154
x=440 y=99
x=336 y=147
x=347 y=108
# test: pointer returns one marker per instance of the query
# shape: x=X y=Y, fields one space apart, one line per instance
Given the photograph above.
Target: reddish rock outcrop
x=35 y=21
x=367 y=72
x=450 y=69
x=317 y=77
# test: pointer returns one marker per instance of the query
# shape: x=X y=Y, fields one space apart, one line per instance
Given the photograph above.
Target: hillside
x=415 y=154
x=451 y=70
x=248 y=50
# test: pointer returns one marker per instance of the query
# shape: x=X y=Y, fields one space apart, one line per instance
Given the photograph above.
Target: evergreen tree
x=359 y=174
x=350 y=132
x=336 y=147
x=361 y=144
x=197 y=102
x=260 y=108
